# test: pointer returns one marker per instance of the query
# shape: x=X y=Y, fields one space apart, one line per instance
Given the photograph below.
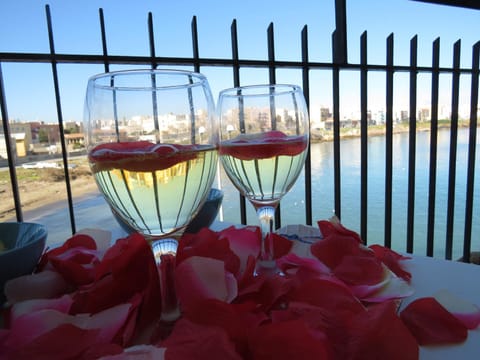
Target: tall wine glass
x=152 y=147
x=264 y=136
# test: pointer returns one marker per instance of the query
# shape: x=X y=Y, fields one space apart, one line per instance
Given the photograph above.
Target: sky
x=76 y=30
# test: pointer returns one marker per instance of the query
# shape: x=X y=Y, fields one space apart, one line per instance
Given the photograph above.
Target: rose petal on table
x=392 y=288
x=244 y=242
x=392 y=260
x=288 y=340
x=141 y=352
x=302 y=267
x=78 y=240
x=203 y=278
x=63 y=342
x=43 y=285
x=466 y=312
x=334 y=297
x=61 y=304
x=28 y=327
x=335 y=246
x=236 y=319
x=432 y=324
x=192 y=341
x=281 y=245
x=378 y=333
x=126 y=272
x=207 y=243
x=334 y=227
x=76 y=265
x=360 y=270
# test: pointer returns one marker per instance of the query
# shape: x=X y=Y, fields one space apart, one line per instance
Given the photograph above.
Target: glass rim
x=192 y=79
x=259 y=90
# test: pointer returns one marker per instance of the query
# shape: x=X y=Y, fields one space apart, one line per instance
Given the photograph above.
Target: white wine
x=155 y=189
x=264 y=169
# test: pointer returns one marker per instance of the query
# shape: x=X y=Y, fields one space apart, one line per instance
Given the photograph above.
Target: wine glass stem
x=266 y=216
x=164 y=251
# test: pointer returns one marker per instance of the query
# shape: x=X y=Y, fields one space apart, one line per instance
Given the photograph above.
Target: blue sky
x=77 y=30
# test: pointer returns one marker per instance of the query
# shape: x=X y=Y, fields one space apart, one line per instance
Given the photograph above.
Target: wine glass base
x=267 y=268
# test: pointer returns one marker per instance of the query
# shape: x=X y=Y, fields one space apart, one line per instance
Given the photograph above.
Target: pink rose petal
x=244 y=242
x=432 y=324
x=61 y=304
x=466 y=312
x=43 y=285
x=203 y=278
x=140 y=352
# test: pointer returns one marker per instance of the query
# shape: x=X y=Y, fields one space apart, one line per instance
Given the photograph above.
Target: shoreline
x=36 y=195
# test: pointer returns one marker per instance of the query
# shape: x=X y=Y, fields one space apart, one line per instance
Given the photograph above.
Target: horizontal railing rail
x=389 y=69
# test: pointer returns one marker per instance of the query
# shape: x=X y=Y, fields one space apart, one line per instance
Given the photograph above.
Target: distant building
x=423 y=115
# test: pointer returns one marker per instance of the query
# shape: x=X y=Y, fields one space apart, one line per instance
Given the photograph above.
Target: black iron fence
x=338 y=65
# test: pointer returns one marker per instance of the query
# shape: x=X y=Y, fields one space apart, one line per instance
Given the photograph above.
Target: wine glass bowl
x=264 y=137
x=152 y=148
x=151 y=142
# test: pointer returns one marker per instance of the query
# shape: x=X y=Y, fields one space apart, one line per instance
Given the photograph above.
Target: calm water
x=293 y=208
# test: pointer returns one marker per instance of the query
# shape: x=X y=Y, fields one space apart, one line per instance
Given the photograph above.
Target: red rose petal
x=139 y=156
x=432 y=324
x=288 y=340
x=335 y=298
x=392 y=260
x=263 y=146
x=360 y=270
x=192 y=341
x=206 y=243
x=378 y=333
x=198 y=278
x=334 y=227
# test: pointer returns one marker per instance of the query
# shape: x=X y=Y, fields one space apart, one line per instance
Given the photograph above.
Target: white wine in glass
x=152 y=147
x=264 y=137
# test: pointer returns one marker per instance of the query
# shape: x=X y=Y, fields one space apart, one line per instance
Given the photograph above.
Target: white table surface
x=431 y=275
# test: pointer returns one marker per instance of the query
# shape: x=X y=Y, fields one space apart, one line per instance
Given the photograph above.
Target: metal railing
x=305 y=65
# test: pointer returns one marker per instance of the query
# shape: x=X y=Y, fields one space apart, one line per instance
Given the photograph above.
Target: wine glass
x=264 y=136
x=152 y=147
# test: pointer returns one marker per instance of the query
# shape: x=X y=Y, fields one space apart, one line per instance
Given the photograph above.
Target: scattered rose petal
x=203 y=278
x=192 y=341
x=392 y=260
x=378 y=333
x=288 y=340
x=43 y=285
x=466 y=312
x=432 y=324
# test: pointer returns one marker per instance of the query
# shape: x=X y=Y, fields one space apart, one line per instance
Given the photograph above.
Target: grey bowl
x=204 y=218
x=23 y=245
x=208 y=212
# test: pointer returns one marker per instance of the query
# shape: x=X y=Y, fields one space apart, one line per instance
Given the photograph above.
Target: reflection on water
x=293 y=208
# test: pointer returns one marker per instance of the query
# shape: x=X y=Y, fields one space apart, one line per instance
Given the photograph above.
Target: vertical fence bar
x=236 y=83
x=363 y=137
x=472 y=148
x=60 y=120
x=196 y=57
x=273 y=80
x=104 y=40
x=336 y=138
x=432 y=182
x=453 y=152
x=151 y=41
x=389 y=143
x=308 y=160
x=10 y=154
x=412 y=145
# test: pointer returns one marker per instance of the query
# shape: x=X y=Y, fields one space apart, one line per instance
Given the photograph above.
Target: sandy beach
x=44 y=187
